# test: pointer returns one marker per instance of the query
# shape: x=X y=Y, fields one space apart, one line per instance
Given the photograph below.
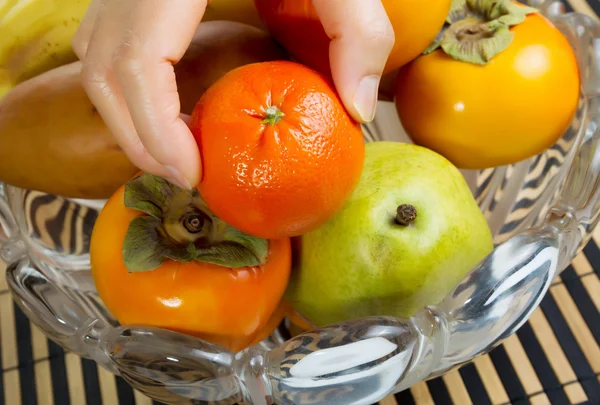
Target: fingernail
x=177 y=178
x=365 y=99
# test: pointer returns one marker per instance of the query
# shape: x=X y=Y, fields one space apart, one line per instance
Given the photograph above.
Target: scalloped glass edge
x=355 y=362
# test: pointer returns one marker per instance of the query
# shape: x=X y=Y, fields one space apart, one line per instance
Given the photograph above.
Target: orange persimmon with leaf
x=161 y=258
x=500 y=85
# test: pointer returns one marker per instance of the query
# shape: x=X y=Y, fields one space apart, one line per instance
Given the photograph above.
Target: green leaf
x=235 y=250
x=144 y=248
x=149 y=194
x=458 y=11
x=480 y=29
x=150 y=240
x=516 y=14
x=500 y=9
x=435 y=45
x=182 y=253
x=228 y=254
x=481 y=51
x=257 y=246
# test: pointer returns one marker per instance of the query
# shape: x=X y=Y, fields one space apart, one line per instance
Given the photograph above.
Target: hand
x=129 y=47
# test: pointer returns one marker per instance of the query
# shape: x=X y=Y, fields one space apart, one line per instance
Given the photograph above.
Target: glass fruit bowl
x=542 y=211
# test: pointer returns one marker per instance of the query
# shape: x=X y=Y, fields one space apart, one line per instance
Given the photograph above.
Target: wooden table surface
x=553 y=359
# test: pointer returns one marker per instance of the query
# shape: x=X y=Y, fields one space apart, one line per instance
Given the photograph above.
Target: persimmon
x=280 y=154
x=296 y=26
x=496 y=89
x=161 y=258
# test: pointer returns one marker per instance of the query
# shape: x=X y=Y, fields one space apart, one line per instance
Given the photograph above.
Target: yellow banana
x=36 y=34
x=5 y=6
x=36 y=37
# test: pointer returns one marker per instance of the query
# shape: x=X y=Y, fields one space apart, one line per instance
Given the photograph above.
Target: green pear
x=410 y=231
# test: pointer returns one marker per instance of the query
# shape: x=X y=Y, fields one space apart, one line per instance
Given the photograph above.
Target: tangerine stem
x=273 y=115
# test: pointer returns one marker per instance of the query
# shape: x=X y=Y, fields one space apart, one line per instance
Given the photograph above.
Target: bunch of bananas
x=36 y=34
x=36 y=37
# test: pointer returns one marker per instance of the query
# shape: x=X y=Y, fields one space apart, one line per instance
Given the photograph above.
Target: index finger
x=157 y=36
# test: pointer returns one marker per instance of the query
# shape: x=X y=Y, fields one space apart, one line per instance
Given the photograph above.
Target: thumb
x=362 y=38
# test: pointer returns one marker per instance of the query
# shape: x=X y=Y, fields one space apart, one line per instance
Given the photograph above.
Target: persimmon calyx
x=180 y=226
x=478 y=30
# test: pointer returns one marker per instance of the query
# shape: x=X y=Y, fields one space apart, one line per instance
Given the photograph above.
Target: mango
x=52 y=138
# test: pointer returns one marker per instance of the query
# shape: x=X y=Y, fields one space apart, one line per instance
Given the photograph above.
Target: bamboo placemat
x=553 y=359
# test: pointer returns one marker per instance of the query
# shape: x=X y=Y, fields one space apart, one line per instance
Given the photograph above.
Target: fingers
x=101 y=84
x=83 y=34
x=158 y=37
x=128 y=74
x=362 y=38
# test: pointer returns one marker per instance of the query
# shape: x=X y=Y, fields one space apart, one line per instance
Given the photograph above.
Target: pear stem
x=406 y=214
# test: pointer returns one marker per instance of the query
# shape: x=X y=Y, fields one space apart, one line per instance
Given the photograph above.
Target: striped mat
x=553 y=359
